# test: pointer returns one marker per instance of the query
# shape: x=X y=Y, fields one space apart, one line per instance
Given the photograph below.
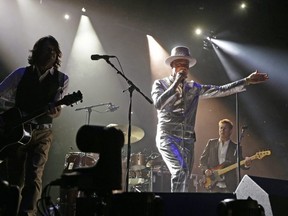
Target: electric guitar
x=208 y=182
x=14 y=130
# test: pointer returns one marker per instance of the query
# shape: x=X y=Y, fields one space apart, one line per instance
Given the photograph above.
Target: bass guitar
x=208 y=182
x=14 y=130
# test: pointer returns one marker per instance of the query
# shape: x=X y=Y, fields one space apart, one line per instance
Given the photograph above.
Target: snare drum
x=75 y=160
x=138 y=177
x=137 y=161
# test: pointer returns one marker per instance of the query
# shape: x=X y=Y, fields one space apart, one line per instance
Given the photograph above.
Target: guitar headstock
x=70 y=99
x=261 y=154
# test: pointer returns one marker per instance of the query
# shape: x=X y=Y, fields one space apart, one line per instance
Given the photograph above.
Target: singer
x=176 y=100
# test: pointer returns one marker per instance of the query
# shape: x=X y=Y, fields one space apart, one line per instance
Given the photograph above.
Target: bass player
x=219 y=153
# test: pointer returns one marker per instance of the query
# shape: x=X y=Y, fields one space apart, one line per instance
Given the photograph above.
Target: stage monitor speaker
x=272 y=194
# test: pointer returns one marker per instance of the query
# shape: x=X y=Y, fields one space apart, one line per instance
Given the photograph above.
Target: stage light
x=243 y=5
x=232 y=207
x=157 y=55
x=66 y=16
x=198 y=31
x=207 y=44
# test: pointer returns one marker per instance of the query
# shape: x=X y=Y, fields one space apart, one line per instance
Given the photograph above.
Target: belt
x=41 y=126
x=183 y=134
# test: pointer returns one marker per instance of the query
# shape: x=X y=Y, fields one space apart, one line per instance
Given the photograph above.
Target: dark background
x=260 y=33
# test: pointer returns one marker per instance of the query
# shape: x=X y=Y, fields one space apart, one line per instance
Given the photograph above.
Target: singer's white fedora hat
x=180 y=52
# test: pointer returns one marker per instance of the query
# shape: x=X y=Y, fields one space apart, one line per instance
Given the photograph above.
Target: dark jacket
x=209 y=160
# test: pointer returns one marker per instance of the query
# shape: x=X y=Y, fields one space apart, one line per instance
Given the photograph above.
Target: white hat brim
x=192 y=61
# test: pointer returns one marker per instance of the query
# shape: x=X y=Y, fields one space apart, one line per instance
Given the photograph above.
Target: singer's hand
x=256 y=77
x=180 y=77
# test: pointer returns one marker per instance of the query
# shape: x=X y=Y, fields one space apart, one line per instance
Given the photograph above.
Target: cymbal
x=136 y=133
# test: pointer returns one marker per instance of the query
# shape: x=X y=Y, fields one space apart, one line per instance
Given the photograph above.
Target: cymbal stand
x=131 y=88
x=89 y=110
x=151 y=179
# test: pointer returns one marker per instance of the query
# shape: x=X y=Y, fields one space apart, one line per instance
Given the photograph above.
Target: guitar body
x=208 y=182
x=14 y=131
x=12 y=134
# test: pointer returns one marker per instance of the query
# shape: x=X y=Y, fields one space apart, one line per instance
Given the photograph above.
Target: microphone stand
x=131 y=88
x=239 y=138
x=89 y=110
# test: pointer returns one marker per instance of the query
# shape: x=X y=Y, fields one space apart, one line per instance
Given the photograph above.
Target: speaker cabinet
x=272 y=194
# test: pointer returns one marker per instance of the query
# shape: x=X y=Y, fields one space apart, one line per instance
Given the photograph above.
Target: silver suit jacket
x=177 y=109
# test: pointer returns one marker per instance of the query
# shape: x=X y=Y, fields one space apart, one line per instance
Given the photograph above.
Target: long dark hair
x=33 y=59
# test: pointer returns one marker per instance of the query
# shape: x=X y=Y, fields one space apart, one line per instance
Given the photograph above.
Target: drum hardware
x=135 y=135
x=159 y=174
x=139 y=181
x=141 y=172
x=138 y=177
x=146 y=172
x=137 y=161
x=150 y=175
x=155 y=159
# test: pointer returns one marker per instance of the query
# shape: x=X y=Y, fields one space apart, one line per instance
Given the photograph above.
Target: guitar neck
x=29 y=118
x=38 y=113
x=67 y=100
x=233 y=166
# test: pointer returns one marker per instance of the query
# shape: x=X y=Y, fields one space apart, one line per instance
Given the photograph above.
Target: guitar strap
x=61 y=81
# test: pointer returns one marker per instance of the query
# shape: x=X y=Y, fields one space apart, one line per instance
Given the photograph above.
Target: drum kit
x=143 y=172
x=68 y=196
x=143 y=168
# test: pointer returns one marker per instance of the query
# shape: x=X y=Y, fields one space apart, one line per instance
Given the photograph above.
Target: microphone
x=105 y=57
x=182 y=75
x=111 y=108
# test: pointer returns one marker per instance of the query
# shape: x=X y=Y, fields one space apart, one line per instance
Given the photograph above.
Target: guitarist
x=30 y=89
x=221 y=151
